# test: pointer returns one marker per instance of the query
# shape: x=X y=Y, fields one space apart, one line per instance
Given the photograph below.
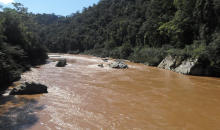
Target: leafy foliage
x=19 y=48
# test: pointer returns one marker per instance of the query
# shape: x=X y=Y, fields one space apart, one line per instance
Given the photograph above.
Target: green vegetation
x=19 y=49
x=139 y=30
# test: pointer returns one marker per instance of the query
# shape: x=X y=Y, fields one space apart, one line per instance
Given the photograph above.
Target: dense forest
x=144 y=31
x=19 y=49
x=139 y=30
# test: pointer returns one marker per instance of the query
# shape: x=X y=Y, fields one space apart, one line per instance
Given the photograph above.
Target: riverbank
x=11 y=76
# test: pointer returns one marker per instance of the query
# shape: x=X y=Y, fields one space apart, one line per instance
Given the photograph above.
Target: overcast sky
x=59 y=7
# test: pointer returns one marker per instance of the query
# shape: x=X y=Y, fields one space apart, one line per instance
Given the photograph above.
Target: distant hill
x=140 y=30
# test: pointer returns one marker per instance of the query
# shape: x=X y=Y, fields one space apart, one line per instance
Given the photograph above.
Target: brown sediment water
x=84 y=96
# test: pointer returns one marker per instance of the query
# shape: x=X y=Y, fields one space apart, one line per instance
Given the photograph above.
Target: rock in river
x=119 y=65
x=105 y=59
x=61 y=63
x=101 y=65
x=29 y=88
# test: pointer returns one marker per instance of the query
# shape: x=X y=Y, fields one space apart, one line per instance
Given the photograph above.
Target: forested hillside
x=19 y=49
x=140 y=30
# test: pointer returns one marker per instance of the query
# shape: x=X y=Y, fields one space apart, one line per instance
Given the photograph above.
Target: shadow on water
x=18 y=113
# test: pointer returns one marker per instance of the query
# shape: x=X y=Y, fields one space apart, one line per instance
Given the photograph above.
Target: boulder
x=61 y=63
x=119 y=65
x=105 y=59
x=146 y=63
x=190 y=67
x=29 y=88
x=187 y=66
x=101 y=65
x=168 y=63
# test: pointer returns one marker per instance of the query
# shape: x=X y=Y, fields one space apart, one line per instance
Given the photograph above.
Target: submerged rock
x=29 y=88
x=119 y=65
x=101 y=65
x=187 y=66
x=105 y=60
x=61 y=63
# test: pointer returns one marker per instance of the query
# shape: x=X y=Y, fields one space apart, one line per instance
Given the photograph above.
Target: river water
x=83 y=96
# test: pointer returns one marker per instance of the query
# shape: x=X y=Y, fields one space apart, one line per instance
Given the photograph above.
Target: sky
x=59 y=7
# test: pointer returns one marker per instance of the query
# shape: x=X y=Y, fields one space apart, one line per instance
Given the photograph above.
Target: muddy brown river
x=83 y=96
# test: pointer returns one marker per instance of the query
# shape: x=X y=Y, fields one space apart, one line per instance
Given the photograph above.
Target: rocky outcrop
x=187 y=66
x=119 y=65
x=61 y=63
x=168 y=63
x=29 y=88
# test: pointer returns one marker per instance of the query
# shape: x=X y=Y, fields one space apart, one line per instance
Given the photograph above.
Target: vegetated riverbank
x=9 y=76
x=19 y=49
x=14 y=61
